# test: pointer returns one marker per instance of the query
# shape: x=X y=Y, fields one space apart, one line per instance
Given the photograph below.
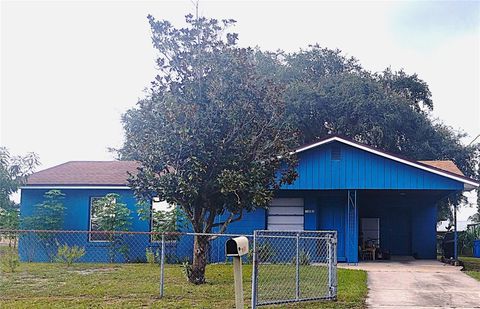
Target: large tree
x=209 y=136
x=14 y=171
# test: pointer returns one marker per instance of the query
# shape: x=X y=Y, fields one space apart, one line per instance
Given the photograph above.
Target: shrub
x=152 y=256
x=265 y=253
x=9 y=260
x=69 y=255
x=303 y=257
x=186 y=269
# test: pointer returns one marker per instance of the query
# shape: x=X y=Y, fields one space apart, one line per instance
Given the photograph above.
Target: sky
x=69 y=69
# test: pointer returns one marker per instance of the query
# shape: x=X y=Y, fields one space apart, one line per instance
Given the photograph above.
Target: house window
x=94 y=224
x=285 y=214
x=163 y=219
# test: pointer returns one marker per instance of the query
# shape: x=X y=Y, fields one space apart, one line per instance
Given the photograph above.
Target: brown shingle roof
x=101 y=173
x=445 y=165
x=92 y=173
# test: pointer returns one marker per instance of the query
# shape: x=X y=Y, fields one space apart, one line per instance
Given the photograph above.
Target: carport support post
x=237 y=276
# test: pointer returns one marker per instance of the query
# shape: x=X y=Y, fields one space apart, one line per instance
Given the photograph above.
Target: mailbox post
x=236 y=248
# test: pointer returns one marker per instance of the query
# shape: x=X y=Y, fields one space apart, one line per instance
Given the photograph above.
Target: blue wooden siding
x=359 y=169
x=332 y=216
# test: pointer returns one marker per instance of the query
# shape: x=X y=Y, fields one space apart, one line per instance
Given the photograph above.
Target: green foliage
x=14 y=171
x=109 y=214
x=69 y=254
x=187 y=269
x=208 y=135
x=163 y=221
x=265 y=253
x=9 y=260
x=466 y=238
x=303 y=257
x=152 y=256
x=48 y=215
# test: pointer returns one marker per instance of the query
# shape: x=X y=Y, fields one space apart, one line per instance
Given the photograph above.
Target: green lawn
x=471 y=266
x=43 y=285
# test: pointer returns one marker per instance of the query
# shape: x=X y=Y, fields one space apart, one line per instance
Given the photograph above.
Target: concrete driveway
x=419 y=284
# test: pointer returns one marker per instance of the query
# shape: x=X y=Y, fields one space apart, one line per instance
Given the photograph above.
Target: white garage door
x=285 y=214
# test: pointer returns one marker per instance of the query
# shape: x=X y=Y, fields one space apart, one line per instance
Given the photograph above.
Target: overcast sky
x=70 y=69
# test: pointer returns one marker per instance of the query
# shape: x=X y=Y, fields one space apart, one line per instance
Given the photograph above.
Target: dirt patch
x=90 y=271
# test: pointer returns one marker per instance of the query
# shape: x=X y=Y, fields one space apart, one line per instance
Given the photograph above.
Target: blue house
x=367 y=195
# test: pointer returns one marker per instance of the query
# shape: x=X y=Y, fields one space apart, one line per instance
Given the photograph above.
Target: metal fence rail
x=162 y=249
x=293 y=266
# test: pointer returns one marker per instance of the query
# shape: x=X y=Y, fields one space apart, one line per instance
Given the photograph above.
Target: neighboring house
x=361 y=192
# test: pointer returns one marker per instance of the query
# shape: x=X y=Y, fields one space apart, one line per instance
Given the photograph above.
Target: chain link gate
x=294 y=266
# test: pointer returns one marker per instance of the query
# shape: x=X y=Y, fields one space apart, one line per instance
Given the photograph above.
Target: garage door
x=285 y=214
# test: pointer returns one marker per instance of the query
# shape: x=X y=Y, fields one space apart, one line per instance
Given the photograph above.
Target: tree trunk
x=200 y=251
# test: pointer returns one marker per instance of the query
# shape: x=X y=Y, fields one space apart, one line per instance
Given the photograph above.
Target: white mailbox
x=237 y=246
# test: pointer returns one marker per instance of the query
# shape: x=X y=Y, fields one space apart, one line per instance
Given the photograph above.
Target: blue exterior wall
x=77 y=204
x=359 y=169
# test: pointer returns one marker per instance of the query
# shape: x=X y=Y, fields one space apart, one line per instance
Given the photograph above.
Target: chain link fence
x=287 y=266
x=294 y=266
x=166 y=250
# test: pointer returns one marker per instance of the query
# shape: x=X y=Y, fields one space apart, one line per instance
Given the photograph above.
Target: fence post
x=330 y=268
x=254 y=271
x=162 y=266
x=297 y=269
x=333 y=268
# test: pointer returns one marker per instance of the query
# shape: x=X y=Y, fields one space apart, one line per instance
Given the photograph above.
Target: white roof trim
x=468 y=184
x=43 y=187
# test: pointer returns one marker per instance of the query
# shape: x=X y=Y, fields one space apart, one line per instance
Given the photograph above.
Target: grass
x=43 y=285
x=471 y=266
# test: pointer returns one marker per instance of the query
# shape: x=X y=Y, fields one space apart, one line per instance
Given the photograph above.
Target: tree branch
x=224 y=224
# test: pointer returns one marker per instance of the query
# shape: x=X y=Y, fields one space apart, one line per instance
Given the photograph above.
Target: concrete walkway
x=418 y=284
